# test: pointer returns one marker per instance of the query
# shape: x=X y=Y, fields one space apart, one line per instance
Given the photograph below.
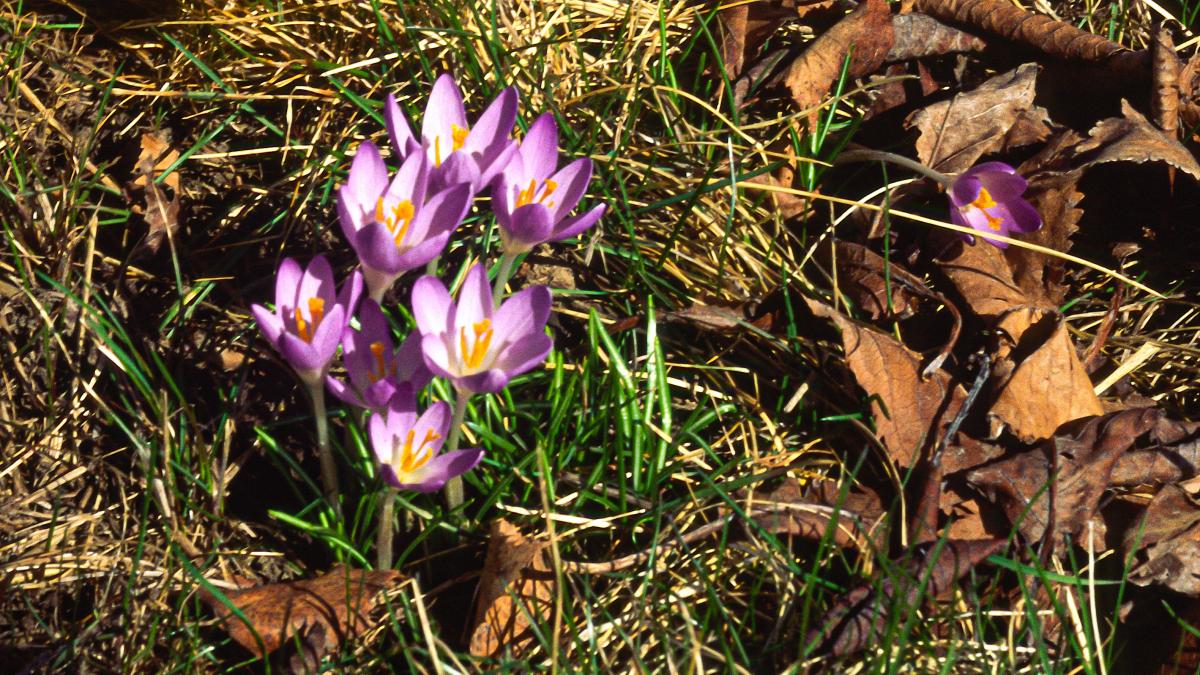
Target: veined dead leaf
x=161 y=214
x=330 y=609
x=516 y=583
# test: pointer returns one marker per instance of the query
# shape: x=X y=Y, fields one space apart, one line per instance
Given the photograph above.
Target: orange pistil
x=458 y=136
x=407 y=459
x=984 y=202
x=525 y=197
x=398 y=220
x=316 y=312
x=472 y=355
x=377 y=350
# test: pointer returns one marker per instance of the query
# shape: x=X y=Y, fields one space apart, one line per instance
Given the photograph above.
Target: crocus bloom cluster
x=987 y=198
x=401 y=221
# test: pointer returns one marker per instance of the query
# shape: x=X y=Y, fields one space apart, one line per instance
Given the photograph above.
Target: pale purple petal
x=270 y=324
x=523 y=314
x=572 y=182
x=444 y=109
x=578 y=224
x=328 y=336
x=436 y=418
x=957 y=218
x=1022 y=216
x=422 y=253
x=410 y=364
x=529 y=226
x=382 y=437
x=287 y=283
x=379 y=395
x=436 y=355
x=524 y=355
x=964 y=190
x=486 y=382
x=410 y=181
x=368 y=174
x=300 y=354
x=539 y=148
x=442 y=214
x=350 y=213
x=343 y=392
x=990 y=167
x=494 y=125
x=317 y=282
x=1003 y=186
x=434 y=475
x=398 y=130
x=489 y=168
x=458 y=169
x=431 y=306
x=474 y=298
x=351 y=292
x=377 y=248
x=977 y=220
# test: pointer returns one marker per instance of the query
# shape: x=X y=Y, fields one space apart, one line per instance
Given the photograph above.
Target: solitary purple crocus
x=458 y=152
x=473 y=344
x=988 y=198
x=308 y=321
x=408 y=446
x=533 y=201
x=376 y=369
x=392 y=227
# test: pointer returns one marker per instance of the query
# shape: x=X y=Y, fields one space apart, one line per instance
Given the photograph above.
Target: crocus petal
x=268 y=322
x=524 y=355
x=375 y=327
x=376 y=247
x=474 y=298
x=381 y=437
x=328 y=336
x=977 y=220
x=378 y=395
x=349 y=295
x=317 y=282
x=343 y=392
x=431 y=305
x=539 y=148
x=442 y=214
x=964 y=190
x=529 y=226
x=436 y=418
x=368 y=174
x=494 y=125
x=350 y=213
x=398 y=130
x=434 y=475
x=523 y=314
x=302 y=356
x=578 y=224
x=445 y=108
x=422 y=253
x=572 y=182
x=486 y=382
x=1003 y=186
x=436 y=355
x=957 y=218
x=409 y=182
x=410 y=364
x=990 y=167
x=490 y=168
x=287 y=282
x=458 y=169
x=1022 y=216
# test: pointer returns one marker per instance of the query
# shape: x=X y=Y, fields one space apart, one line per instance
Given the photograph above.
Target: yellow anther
x=459 y=135
x=984 y=202
x=302 y=327
x=437 y=150
x=316 y=312
x=526 y=196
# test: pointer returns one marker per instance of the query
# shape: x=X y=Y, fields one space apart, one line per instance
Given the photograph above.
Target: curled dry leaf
x=1172 y=454
x=161 y=214
x=862 y=614
x=1081 y=459
x=1164 y=103
x=786 y=510
x=515 y=571
x=328 y=609
x=910 y=412
x=917 y=36
x=1052 y=37
x=868 y=29
x=1168 y=540
x=957 y=132
x=1133 y=139
x=879 y=287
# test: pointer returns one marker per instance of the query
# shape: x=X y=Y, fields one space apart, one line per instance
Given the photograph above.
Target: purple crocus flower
x=988 y=198
x=376 y=369
x=408 y=446
x=458 y=152
x=533 y=200
x=308 y=321
x=475 y=345
x=392 y=227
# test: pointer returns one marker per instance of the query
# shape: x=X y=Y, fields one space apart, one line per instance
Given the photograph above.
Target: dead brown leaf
x=1168 y=539
x=957 y=132
x=1081 y=459
x=909 y=412
x=917 y=36
x=879 y=287
x=161 y=214
x=1054 y=38
x=331 y=608
x=1041 y=384
x=1133 y=139
x=786 y=510
x=1172 y=455
x=516 y=583
x=862 y=614
x=865 y=35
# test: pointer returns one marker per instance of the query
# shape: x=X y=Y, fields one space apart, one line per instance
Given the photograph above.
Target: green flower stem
x=329 y=477
x=506 y=268
x=863 y=155
x=383 y=542
x=454 y=486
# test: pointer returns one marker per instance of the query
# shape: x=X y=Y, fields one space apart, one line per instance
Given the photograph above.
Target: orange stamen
x=525 y=197
x=377 y=349
x=984 y=202
x=473 y=354
x=316 y=312
x=459 y=135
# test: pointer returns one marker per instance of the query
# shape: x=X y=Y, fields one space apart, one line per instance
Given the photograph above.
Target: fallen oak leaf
x=957 y=132
x=339 y=601
x=1165 y=72
x=861 y=615
x=910 y=411
x=917 y=36
x=1167 y=538
x=865 y=35
x=517 y=583
x=1132 y=138
x=1080 y=459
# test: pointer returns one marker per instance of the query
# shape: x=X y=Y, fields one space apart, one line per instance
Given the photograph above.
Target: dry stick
x=1106 y=327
